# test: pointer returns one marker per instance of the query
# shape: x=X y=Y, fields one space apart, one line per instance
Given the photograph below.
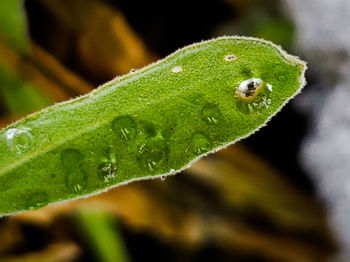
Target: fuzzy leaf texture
x=149 y=123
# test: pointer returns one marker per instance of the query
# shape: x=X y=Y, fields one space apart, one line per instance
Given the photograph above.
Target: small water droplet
x=107 y=170
x=211 y=114
x=200 y=143
x=125 y=127
x=72 y=160
x=230 y=57
x=19 y=140
x=176 y=69
x=253 y=96
x=172 y=170
x=269 y=87
x=36 y=200
x=163 y=177
x=152 y=153
x=132 y=70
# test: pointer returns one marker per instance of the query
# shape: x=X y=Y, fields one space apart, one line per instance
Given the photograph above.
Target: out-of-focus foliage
x=19 y=96
x=13 y=26
x=104 y=237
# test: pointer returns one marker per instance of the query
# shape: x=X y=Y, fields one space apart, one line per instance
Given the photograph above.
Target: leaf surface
x=149 y=123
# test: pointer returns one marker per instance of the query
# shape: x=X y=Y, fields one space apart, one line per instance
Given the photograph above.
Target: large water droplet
x=36 y=200
x=253 y=95
x=200 y=143
x=152 y=153
x=107 y=170
x=249 y=87
x=19 y=140
x=125 y=127
x=72 y=161
x=211 y=114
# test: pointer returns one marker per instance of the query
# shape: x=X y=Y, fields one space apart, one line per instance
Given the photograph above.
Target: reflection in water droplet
x=249 y=87
x=125 y=127
x=176 y=69
x=107 y=170
x=211 y=114
x=19 y=140
x=163 y=177
x=72 y=161
x=152 y=153
x=230 y=58
x=253 y=95
x=200 y=143
x=36 y=200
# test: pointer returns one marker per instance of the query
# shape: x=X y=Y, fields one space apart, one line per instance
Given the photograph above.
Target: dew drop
x=19 y=140
x=152 y=153
x=125 y=127
x=107 y=170
x=176 y=69
x=200 y=143
x=249 y=87
x=36 y=200
x=230 y=58
x=211 y=114
x=253 y=96
x=269 y=87
x=72 y=161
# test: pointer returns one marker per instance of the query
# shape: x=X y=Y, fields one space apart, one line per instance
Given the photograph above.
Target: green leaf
x=13 y=24
x=150 y=123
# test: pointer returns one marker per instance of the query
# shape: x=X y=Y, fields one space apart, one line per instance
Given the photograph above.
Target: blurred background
x=281 y=195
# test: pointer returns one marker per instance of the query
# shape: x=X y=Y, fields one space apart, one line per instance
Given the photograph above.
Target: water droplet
x=249 y=87
x=125 y=127
x=132 y=70
x=211 y=114
x=230 y=58
x=163 y=177
x=107 y=170
x=72 y=160
x=36 y=200
x=253 y=96
x=269 y=87
x=176 y=69
x=148 y=128
x=19 y=140
x=200 y=143
x=172 y=170
x=152 y=153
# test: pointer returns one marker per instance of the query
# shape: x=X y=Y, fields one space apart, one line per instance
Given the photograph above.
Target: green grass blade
x=103 y=235
x=152 y=122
